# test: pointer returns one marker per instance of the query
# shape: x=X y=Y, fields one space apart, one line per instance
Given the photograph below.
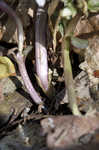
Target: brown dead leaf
x=96 y=73
x=95 y=21
x=64 y=131
x=83 y=26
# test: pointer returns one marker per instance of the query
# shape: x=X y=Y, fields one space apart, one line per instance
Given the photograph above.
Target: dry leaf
x=6 y=67
x=96 y=73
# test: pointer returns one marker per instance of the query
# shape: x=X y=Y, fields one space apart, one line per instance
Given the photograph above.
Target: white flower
x=40 y=3
x=66 y=13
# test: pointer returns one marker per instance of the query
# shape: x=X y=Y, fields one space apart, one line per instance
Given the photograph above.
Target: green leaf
x=79 y=43
x=69 y=11
x=61 y=29
x=93 y=5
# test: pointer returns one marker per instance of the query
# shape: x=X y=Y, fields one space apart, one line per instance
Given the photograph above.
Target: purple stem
x=4 y=7
x=26 y=79
x=19 y=56
x=40 y=47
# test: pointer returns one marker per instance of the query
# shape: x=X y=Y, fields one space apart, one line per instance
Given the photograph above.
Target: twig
x=56 y=30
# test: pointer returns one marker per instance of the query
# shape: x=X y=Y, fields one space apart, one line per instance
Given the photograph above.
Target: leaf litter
x=60 y=129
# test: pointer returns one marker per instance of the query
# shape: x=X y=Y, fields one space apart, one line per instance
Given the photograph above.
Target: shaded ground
x=22 y=125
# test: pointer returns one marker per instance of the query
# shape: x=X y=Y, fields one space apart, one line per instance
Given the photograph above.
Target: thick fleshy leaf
x=79 y=43
x=6 y=67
